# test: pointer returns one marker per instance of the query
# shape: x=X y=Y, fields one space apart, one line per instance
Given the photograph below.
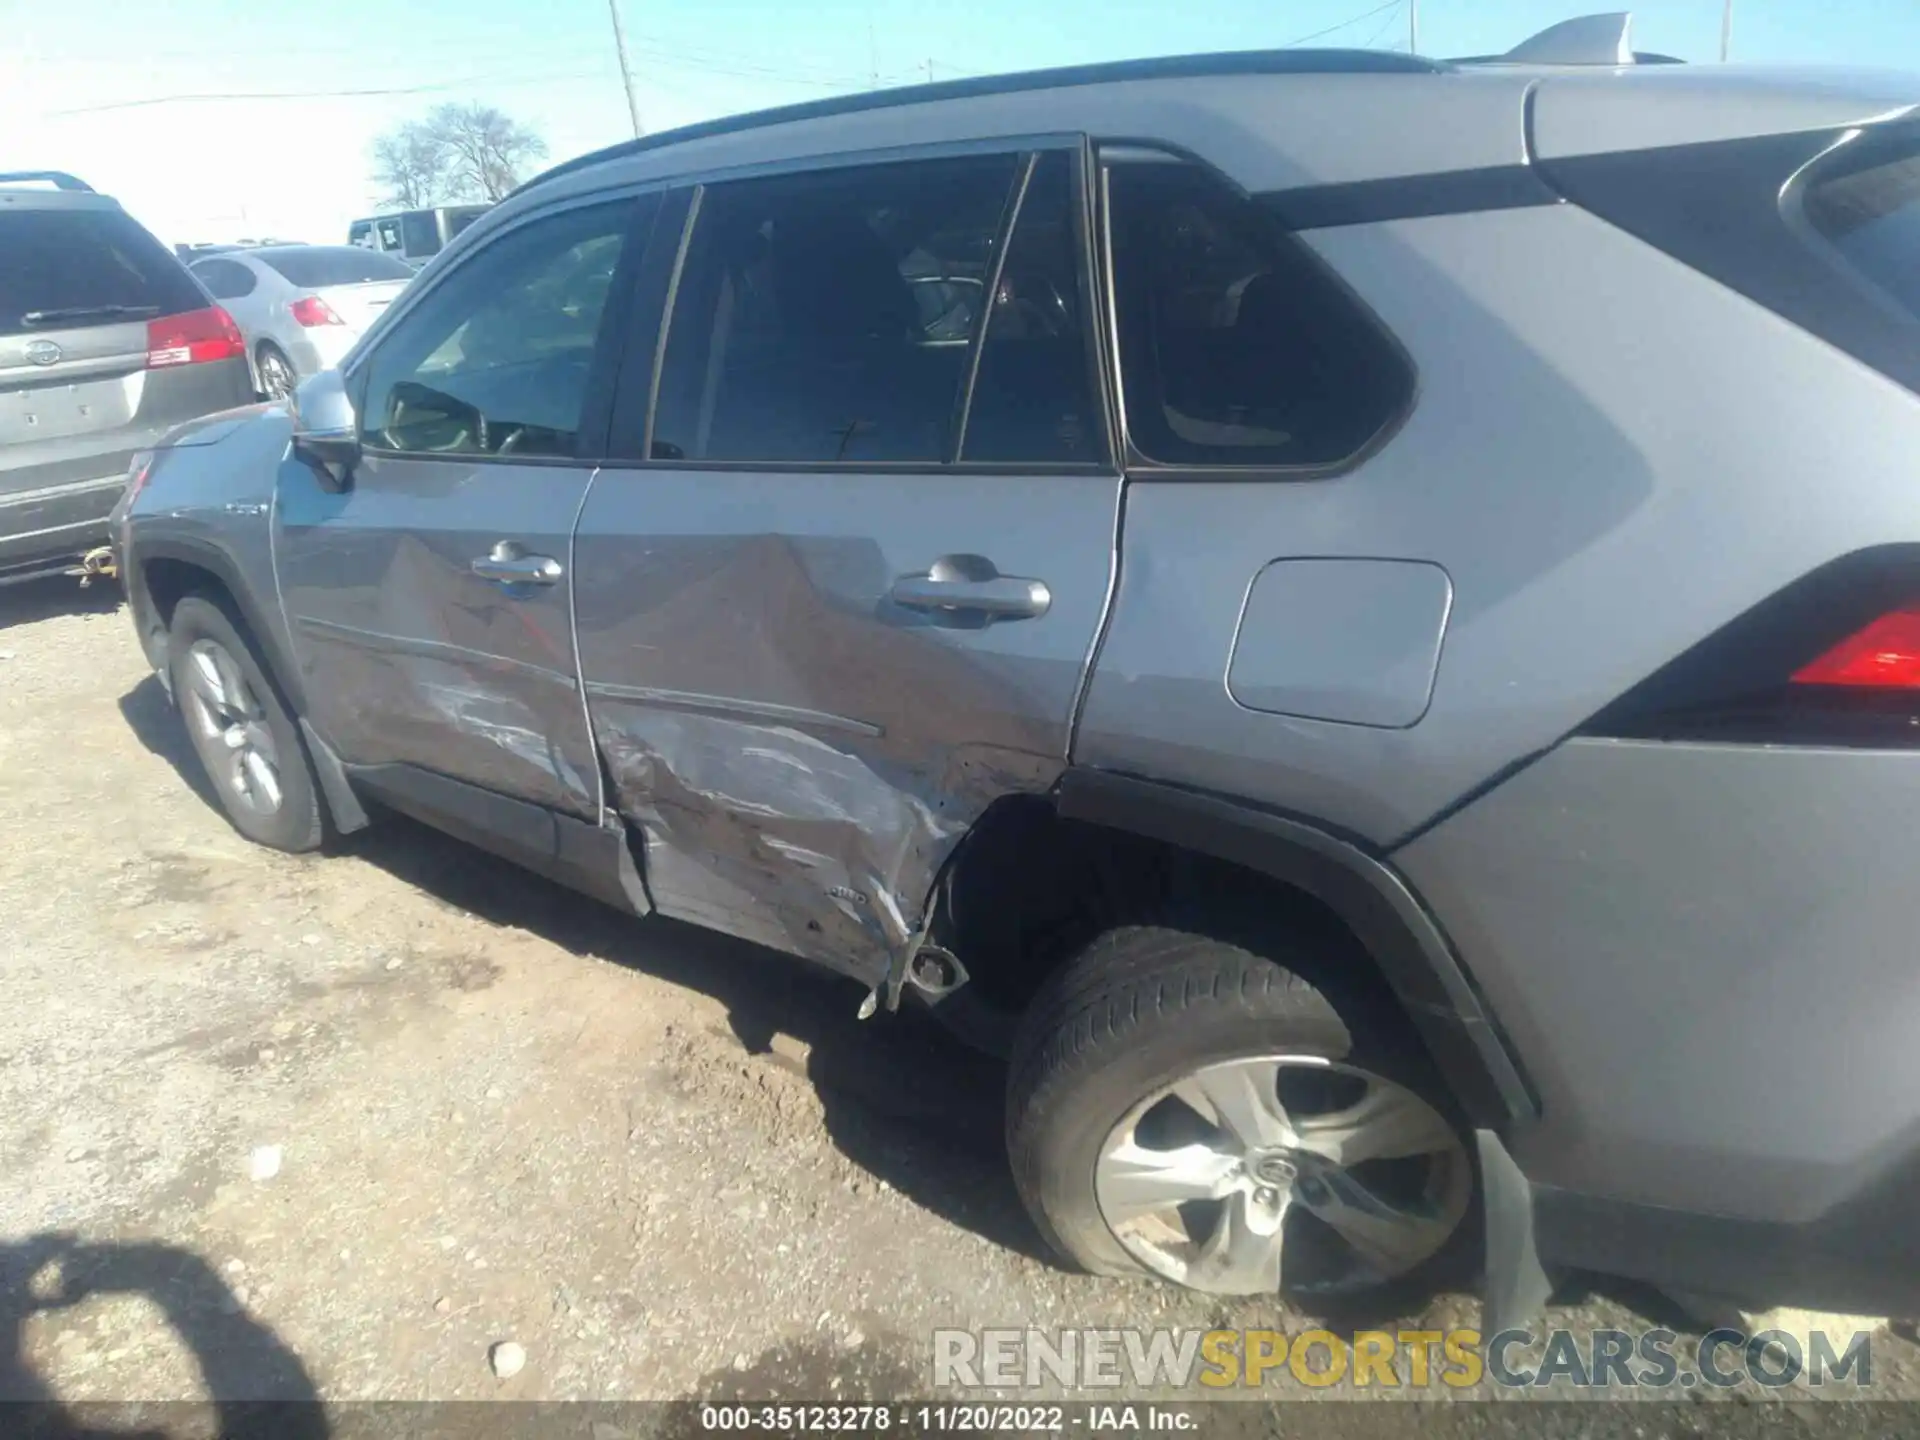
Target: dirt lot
x=664 y=1164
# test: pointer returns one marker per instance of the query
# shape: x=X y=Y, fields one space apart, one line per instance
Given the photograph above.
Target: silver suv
x=1358 y=617
x=106 y=343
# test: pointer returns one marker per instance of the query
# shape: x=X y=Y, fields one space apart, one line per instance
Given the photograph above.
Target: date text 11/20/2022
x=1092 y=1419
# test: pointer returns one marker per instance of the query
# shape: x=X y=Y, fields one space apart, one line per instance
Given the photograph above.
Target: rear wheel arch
x=1037 y=878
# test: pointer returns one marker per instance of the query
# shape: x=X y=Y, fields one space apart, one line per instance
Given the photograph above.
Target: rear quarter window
x=1866 y=205
x=335 y=265
x=54 y=260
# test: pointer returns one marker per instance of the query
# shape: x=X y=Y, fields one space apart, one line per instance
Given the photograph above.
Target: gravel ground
x=335 y=1127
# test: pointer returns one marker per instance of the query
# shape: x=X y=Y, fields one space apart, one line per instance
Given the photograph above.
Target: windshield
x=316 y=265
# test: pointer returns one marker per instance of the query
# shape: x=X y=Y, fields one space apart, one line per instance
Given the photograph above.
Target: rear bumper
x=1862 y=1258
x=44 y=528
x=1705 y=959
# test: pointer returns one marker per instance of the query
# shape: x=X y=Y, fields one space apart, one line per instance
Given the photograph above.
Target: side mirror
x=326 y=432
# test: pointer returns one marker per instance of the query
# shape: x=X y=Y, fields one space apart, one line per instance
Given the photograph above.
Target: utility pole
x=1726 y=30
x=626 y=70
x=873 y=58
x=1413 y=27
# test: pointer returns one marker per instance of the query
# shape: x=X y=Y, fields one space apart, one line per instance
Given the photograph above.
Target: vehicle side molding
x=596 y=860
x=1365 y=892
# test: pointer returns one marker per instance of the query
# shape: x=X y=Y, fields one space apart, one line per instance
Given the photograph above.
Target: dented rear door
x=809 y=674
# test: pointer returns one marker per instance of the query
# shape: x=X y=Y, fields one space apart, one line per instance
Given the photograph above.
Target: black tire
x=1146 y=1005
x=296 y=824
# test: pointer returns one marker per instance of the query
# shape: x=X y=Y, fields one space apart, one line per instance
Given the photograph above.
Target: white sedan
x=300 y=307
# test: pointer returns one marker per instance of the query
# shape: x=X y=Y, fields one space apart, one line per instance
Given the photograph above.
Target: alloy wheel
x=276 y=375
x=1295 y=1168
x=230 y=729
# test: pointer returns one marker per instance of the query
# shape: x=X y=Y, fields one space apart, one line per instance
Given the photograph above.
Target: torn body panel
x=801 y=754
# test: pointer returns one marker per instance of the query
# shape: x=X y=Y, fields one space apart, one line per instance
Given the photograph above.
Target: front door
x=429 y=600
x=850 y=601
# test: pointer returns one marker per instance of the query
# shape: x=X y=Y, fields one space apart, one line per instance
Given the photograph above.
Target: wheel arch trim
x=1367 y=894
x=213 y=560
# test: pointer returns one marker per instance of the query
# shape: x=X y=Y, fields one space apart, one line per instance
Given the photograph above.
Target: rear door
x=79 y=280
x=429 y=602
x=847 y=602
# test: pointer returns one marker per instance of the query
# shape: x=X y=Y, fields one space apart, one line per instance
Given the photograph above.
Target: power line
x=626 y=70
x=503 y=78
x=1365 y=15
x=1385 y=25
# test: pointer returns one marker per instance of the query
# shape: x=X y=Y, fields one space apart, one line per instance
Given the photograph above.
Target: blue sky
x=296 y=165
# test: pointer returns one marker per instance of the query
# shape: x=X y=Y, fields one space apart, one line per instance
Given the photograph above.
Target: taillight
x=1885 y=655
x=311 y=310
x=1831 y=659
x=193 y=338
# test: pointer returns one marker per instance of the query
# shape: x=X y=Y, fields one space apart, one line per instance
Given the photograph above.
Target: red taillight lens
x=193 y=338
x=1883 y=656
x=311 y=310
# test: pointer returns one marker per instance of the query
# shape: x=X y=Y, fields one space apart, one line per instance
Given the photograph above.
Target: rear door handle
x=510 y=564
x=969 y=585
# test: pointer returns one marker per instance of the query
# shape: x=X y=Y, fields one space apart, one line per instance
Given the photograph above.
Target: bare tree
x=486 y=151
x=411 y=167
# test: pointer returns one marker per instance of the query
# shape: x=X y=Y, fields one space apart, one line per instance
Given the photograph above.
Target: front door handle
x=509 y=564
x=970 y=586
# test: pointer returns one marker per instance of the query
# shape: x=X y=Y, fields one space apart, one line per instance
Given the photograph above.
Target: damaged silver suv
x=1358 y=617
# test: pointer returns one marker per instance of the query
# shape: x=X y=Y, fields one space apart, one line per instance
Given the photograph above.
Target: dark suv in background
x=106 y=342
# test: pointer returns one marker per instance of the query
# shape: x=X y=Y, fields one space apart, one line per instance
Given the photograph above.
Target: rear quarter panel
x=1610 y=456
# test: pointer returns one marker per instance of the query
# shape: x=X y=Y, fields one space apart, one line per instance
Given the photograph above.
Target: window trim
x=1898 y=135
x=609 y=346
x=1021 y=147
x=1132 y=151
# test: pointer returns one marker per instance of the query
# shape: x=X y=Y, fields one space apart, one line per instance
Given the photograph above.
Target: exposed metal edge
x=732 y=705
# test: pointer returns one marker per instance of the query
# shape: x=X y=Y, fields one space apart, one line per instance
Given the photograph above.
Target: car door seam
x=573 y=634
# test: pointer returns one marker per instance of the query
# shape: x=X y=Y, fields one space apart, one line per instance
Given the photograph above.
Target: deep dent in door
x=814 y=832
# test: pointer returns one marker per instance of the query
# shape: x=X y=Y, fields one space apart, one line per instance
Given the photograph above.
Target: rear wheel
x=240 y=728
x=277 y=377
x=1191 y=1106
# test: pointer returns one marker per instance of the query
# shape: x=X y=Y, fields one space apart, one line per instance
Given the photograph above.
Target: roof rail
x=1235 y=62
x=1587 y=40
x=59 y=179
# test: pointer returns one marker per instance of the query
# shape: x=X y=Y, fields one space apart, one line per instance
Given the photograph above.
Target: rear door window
x=829 y=317
x=1034 y=398
x=1237 y=347
x=65 y=268
x=1868 y=209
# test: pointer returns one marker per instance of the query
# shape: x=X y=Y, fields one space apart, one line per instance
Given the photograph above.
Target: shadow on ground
x=257 y=1385
x=903 y=1099
x=36 y=600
